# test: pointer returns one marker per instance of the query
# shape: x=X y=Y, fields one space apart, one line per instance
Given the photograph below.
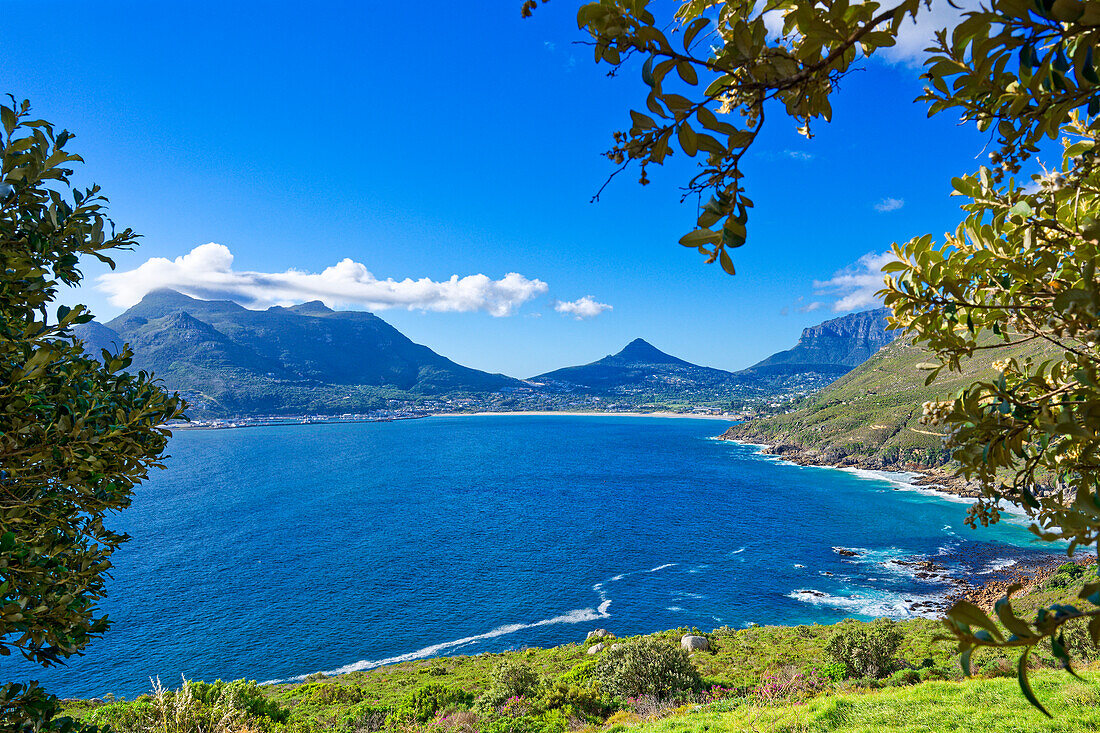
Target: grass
x=988 y=705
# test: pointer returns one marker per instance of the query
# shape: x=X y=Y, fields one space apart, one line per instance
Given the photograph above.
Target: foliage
x=646 y=666
x=76 y=435
x=423 y=704
x=866 y=651
x=197 y=707
x=512 y=678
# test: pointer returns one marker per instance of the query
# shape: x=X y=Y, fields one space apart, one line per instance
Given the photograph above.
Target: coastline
x=919 y=477
x=552 y=413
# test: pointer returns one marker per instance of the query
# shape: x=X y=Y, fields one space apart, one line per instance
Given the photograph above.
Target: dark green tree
x=77 y=434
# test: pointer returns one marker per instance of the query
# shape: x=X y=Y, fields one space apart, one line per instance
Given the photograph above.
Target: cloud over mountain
x=207 y=272
x=856 y=284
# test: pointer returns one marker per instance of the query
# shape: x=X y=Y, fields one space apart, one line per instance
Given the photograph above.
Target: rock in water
x=694 y=643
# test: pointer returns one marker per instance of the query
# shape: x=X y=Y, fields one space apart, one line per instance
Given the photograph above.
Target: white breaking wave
x=890 y=605
x=997 y=565
x=576 y=616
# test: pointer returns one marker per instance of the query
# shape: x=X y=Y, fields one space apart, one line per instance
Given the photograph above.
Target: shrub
x=645 y=667
x=574 y=700
x=550 y=722
x=833 y=671
x=510 y=679
x=195 y=708
x=423 y=704
x=329 y=693
x=1067 y=574
x=866 y=650
x=580 y=674
x=364 y=718
x=903 y=677
x=1076 y=640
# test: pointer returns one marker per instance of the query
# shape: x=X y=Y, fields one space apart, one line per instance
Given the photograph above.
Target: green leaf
x=726 y=262
x=700 y=237
x=1025 y=684
x=967 y=613
x=641 y=121
x=1003 y=609
x=693 y=30
x=686 y=136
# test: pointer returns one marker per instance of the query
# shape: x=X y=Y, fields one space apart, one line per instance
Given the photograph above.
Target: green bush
x=574 y=700
x=1076 y=640
x=903 y=677
x=580 y=674
x=423 y=704
x=197 y=707
x=833 y=671
x=551 y=722
x=364 y=718
x=1067 y=574
x=645 y=666
x=866 y=650
x=329 y=693
x=510 y=679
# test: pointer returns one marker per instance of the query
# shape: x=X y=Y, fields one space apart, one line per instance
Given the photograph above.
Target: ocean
x=271 y=553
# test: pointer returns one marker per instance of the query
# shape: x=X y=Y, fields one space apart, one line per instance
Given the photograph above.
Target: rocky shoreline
x=1030 y=572
x=936 y=479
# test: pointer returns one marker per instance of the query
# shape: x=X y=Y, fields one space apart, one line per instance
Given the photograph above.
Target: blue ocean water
x=269 y=553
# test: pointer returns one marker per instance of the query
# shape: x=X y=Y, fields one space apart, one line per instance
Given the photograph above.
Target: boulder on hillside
x=690 y=643
x=596 y=649
x=597 y=634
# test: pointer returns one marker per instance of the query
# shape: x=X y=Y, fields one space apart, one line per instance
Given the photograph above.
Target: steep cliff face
x=837 y=345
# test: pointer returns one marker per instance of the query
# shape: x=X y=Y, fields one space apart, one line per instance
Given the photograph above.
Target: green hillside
x=871 y=416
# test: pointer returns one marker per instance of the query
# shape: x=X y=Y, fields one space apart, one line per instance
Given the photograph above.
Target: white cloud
x=856 y=284
x=586 y=307
x=889 y=204
x=207 y=272
x=913 y=36
x=798 y=155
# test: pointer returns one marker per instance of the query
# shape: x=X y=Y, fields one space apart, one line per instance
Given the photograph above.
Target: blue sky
x=432 y=141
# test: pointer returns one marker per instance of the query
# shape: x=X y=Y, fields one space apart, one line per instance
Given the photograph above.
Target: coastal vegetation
x=873 y=416
x=850 y=676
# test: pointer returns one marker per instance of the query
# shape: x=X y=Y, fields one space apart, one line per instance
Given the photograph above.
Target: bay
x=271 y=553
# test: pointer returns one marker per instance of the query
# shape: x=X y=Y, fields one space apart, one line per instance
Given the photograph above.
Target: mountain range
x=307 y=358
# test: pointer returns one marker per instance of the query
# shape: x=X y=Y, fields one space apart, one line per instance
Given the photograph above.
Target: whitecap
x=891 y=605
x=576 y=616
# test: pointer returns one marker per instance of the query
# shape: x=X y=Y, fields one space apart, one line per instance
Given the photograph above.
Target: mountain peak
x=311 y=308
x=165 y=296
x=640 y=350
